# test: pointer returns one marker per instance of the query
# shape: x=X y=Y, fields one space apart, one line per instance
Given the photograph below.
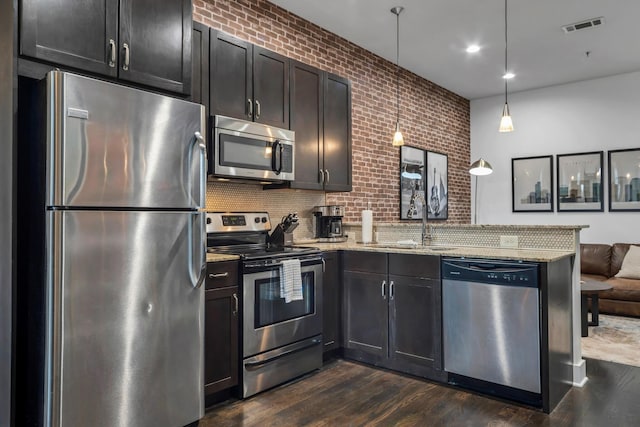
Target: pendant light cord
x=505 y=51
x=398 y=64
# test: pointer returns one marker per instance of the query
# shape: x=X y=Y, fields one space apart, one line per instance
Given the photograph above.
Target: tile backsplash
x=227 y=196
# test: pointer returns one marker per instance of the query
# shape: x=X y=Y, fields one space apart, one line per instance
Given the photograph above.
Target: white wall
x=601 y=114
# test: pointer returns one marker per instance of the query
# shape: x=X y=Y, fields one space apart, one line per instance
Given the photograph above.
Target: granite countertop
x=537 y=255
x=507 y=227
x=213 y=257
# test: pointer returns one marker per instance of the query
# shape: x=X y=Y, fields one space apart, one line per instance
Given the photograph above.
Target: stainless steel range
x=281 y=303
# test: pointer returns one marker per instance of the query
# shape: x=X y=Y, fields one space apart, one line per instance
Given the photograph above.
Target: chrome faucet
x=426 y=234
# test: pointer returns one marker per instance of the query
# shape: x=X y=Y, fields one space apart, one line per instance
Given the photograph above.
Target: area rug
x=615 y=339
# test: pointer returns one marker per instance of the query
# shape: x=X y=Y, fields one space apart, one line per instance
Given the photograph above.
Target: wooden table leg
x=595 y=311
x=583 y=315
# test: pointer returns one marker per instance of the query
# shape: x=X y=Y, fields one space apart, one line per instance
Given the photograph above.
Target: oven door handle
x=278 y=263
x=258 y=361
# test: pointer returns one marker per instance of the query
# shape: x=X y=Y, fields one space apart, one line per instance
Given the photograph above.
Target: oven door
x=270 y=322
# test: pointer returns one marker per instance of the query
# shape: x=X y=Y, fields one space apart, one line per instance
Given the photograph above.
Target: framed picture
x=580 y=182
x=532 y=184
x=437 y=186
x=624 y=180
x=412 y=182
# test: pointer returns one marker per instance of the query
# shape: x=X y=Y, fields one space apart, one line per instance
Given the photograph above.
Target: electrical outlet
x=509 y=241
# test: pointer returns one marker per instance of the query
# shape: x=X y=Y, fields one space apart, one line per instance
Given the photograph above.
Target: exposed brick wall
x=431 y=117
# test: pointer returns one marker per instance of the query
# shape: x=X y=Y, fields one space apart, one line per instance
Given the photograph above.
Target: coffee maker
x=328 y=221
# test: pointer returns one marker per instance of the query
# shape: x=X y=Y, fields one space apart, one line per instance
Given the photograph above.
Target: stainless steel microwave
x=249 y=150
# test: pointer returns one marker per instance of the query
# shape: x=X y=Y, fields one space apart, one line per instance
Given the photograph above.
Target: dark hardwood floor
x=350 y=394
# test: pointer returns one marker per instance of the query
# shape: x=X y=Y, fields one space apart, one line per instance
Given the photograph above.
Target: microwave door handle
x=276 y=151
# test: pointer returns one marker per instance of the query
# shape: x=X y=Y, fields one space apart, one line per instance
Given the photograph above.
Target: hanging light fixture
x=398 y=139
x=506 y=124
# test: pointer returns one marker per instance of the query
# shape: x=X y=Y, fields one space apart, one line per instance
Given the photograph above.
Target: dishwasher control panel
x=497 y=272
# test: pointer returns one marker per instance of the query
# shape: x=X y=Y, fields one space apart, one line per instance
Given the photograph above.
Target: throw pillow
x=631 y=264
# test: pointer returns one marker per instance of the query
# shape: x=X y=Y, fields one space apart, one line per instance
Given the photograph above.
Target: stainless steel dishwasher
x=491 y=326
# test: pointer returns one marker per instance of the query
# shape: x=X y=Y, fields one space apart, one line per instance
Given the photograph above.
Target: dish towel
x=290 y=280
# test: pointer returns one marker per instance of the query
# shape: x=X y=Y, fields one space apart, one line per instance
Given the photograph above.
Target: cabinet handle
x=383 y=290
x=391 y=293
x=217 y=275
x=324 y=265
x=112 y=53
x=235 y=300
x=125 y=66
x=321 y=176
x=326 y=171
x=257 y=109
x=250 y=113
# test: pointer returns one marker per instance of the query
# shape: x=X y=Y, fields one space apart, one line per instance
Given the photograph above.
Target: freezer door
x=125 y=316
x=110 y=145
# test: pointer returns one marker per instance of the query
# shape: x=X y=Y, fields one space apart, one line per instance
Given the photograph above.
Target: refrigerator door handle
x=198 y=242
x=198 y=199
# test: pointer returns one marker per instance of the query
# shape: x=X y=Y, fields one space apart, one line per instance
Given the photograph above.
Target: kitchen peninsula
x=385 y=303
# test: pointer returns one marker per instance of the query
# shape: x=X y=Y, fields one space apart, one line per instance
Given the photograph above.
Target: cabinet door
x=306 y=120
x=221 y=339
x=365 y=311
x=337 y=134
x=82 y=34
x=331 y=293
x=155 y=43
x=414 y=324
x=231 y=85
x=200 y=65
x=270 y=88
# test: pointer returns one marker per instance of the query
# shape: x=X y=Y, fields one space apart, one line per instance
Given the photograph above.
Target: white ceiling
x=435 y=33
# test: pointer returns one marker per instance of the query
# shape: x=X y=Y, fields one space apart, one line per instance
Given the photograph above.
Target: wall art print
x=624 y=180
x=412 y=182
x=580 y=182
x=532 y=184
x=437 y=186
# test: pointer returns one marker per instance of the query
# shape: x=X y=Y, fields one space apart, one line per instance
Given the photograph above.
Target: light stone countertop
x=211 y=257
x=536 y=255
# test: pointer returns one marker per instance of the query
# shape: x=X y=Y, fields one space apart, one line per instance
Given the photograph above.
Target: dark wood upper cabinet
x=231 y=82
x=270 y=88
x=155 y=43
x=143 y=41
x=321 y=117
x=306 y=120
x=337 y=134
x=81 y=34
x=200 y=65
x=248 y=82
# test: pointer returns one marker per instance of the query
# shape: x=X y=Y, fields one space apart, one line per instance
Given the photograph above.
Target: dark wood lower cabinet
x=392 y=312
x=331 y=298
x=221 y=350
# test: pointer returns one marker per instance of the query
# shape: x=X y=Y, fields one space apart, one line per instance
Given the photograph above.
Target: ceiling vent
x=583 y=25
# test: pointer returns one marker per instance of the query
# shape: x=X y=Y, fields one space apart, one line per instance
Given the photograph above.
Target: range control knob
x=264 y=219
x=208 y=220
x=257 y=220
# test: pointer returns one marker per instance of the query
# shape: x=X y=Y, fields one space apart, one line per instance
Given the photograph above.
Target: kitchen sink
x=411 y=246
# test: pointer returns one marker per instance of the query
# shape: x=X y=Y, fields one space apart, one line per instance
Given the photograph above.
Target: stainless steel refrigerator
x=125 y=249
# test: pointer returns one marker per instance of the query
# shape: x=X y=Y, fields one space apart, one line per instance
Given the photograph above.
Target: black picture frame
x=532 y=184
x=580 y=182
x=412 y=182
x=437 y=186
x=624 y=180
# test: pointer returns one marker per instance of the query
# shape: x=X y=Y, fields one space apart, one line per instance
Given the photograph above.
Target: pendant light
x=506 y=124
x=398 y=139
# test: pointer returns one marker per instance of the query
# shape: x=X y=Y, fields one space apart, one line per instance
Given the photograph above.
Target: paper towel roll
x=367 y=225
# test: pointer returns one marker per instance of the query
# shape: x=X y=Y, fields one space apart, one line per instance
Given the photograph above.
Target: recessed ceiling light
x=508 y=76
x=473 y=48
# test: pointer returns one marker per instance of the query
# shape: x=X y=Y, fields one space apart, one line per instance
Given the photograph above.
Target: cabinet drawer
x=221 y=274
x=411 y=265
x=370 y=262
